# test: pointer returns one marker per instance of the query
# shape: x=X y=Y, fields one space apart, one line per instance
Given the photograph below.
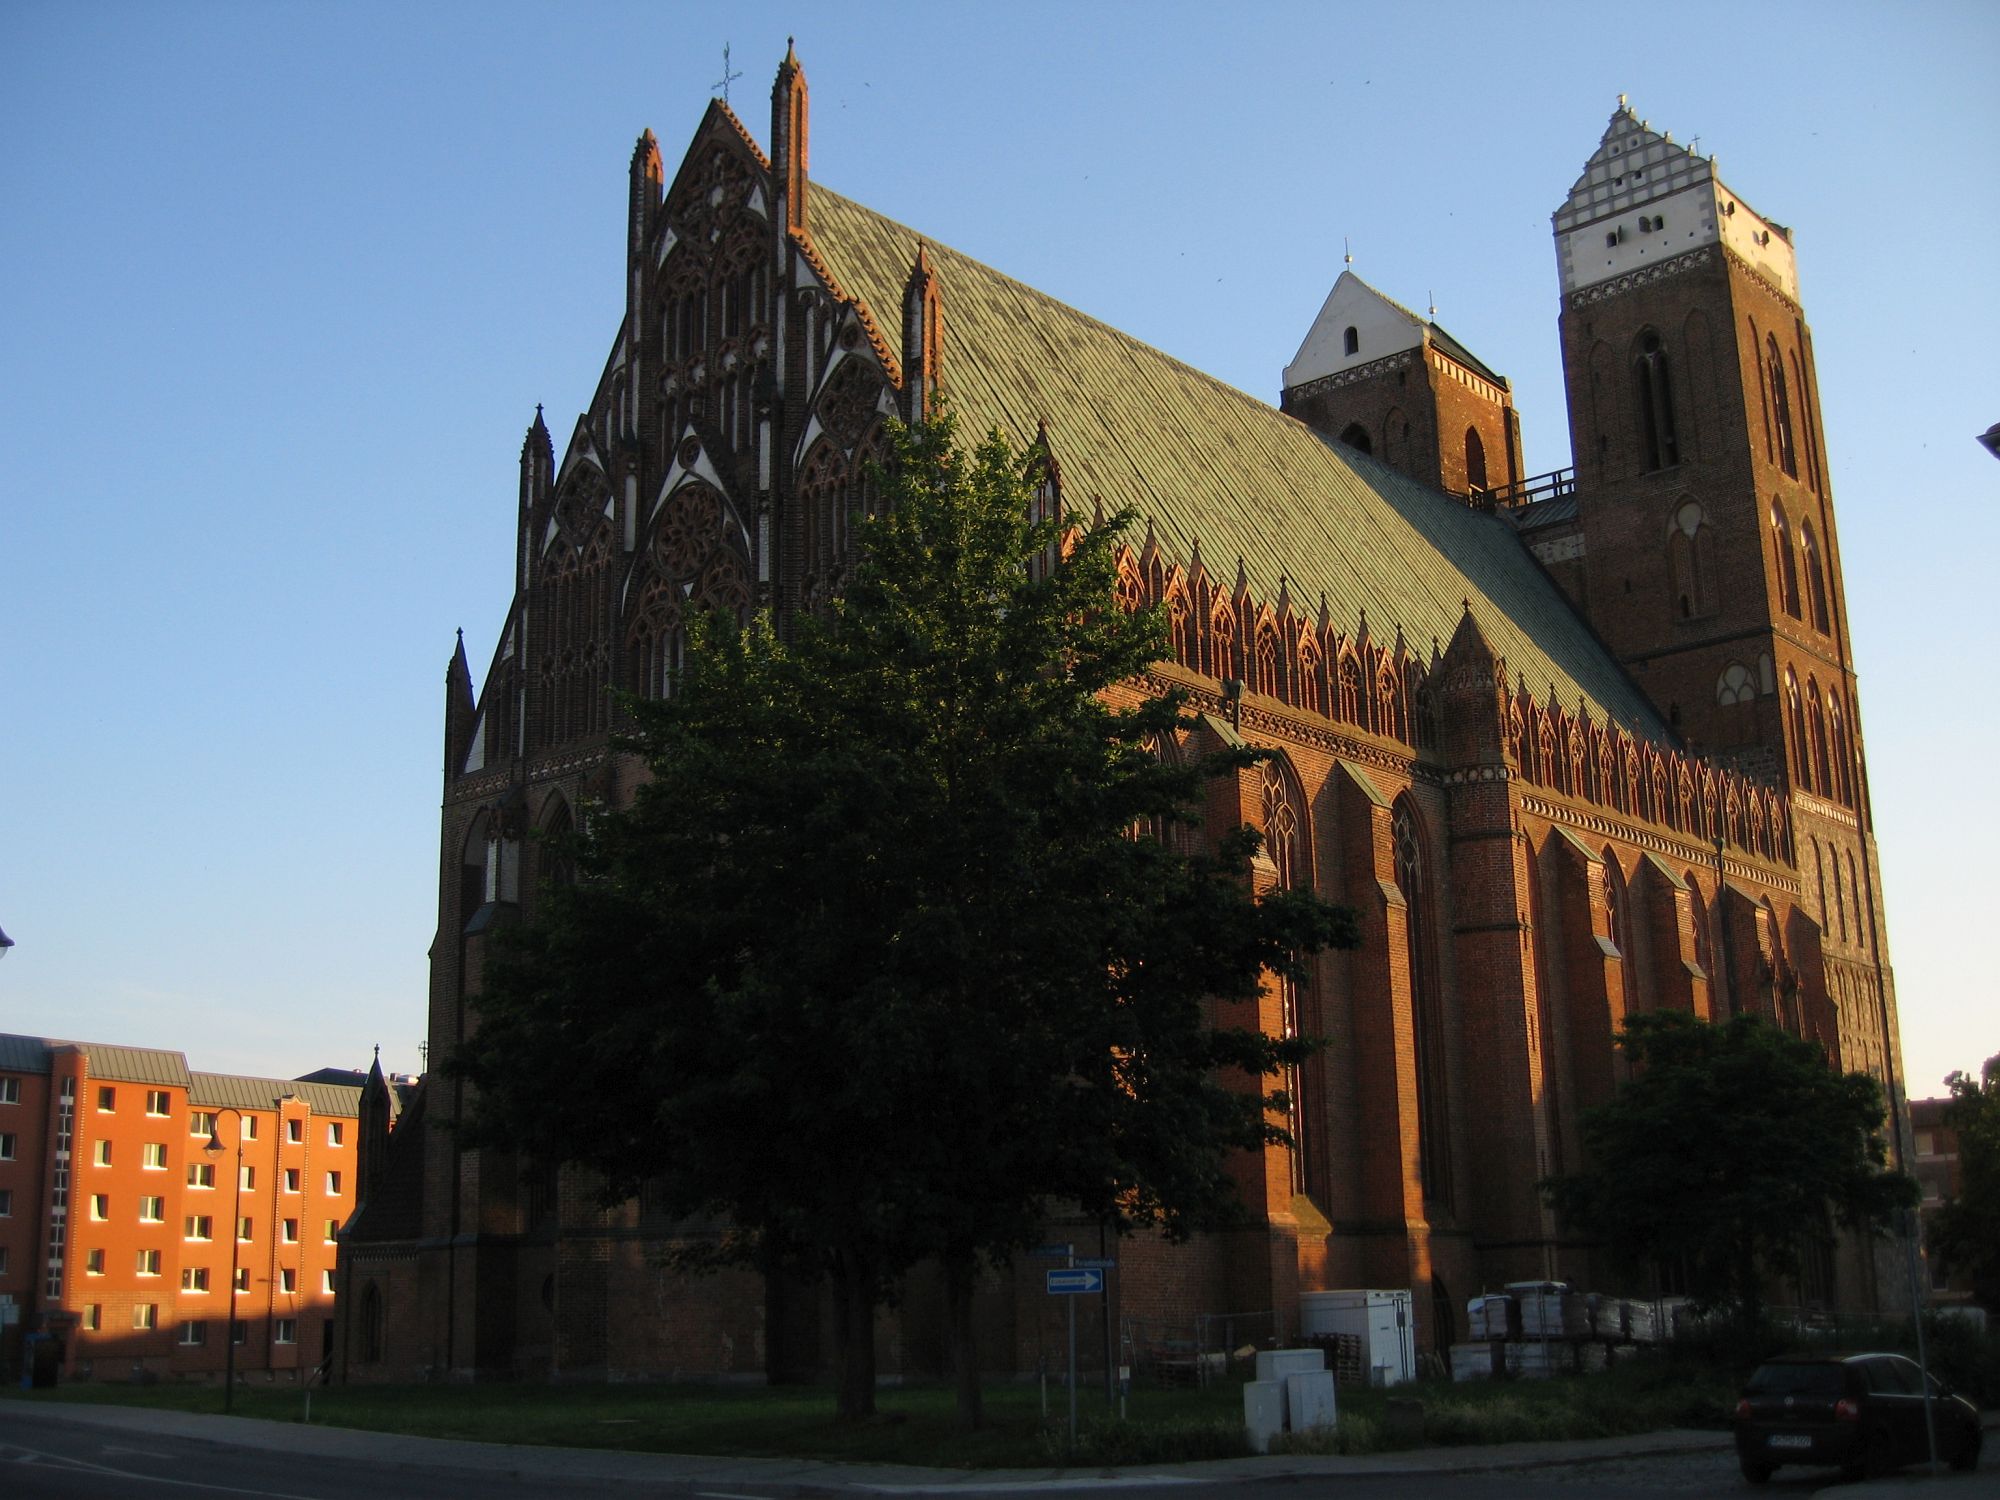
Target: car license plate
x=1790 y=1440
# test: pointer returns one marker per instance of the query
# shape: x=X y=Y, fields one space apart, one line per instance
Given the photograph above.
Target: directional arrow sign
x=1082 y=1281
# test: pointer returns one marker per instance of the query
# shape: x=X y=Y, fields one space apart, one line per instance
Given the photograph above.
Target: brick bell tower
x=1710 y=557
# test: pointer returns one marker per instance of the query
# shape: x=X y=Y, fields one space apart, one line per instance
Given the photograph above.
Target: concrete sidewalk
x=814 y=1474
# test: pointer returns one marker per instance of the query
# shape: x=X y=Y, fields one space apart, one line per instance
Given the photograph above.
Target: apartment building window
x=146 y=1315
x=201 y=1122
x=200 y=1227
x=158 y=1101
x=6 y=1203
x=291 y=1179
x=3 y=1260
x=333 y=1184
x=332 y=1230
x=243 y=1228
x=201 y=1174
x=291 y=1234
x=288 y=1280
x=152 y=1210
x=333 y=1133
x=10 y=1093
x=239 y=1332
x=93 y=1317
x=153 y=1156
x=149 y=1262
x=295 y=1131
x=100 y=1153
x=249 y=1127
x=93 y=1262
x=194 y=1334
x=242 y=1281
x=100 y=1206
x=326 y=1282
x=248 y=1180
x=6 y=1145
x=194 y=1278
x=107 y=1101
x=285 y=1331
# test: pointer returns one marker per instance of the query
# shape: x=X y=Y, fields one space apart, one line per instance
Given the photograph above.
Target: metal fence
x=1193 y=1350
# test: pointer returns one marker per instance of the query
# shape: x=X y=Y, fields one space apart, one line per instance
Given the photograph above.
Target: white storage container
x=1382 y=1320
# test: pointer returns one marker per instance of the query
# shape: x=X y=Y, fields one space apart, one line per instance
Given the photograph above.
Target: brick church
x=1572 y=745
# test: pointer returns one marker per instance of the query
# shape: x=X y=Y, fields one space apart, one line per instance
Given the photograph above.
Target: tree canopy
x=885 y=961
x=1965 y=1234
x=1730 y=1146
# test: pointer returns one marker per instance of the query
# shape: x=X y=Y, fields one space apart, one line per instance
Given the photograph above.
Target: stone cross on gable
x=727 y=76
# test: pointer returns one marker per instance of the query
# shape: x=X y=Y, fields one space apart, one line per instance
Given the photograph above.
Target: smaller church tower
x=1375 y=376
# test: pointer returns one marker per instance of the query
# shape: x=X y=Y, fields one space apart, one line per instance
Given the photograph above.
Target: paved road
x=105 y=1453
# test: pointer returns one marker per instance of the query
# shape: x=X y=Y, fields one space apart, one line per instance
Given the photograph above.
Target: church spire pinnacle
x=790 y=127
x=923 y=337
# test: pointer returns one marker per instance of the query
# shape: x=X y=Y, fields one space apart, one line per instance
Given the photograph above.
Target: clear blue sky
x=284 y=282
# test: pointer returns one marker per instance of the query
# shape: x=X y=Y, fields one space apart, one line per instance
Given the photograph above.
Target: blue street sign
x=1052 y=1252
x=1079 y=1282
x=1106 y=1263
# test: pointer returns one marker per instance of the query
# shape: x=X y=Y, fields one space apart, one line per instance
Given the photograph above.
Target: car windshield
x=1798 y=1380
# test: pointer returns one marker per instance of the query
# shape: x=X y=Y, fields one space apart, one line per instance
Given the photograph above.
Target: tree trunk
x=853 y=1340
x=961 y=1276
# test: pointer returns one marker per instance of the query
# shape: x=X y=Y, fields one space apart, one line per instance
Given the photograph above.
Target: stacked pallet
x=1537 y=1329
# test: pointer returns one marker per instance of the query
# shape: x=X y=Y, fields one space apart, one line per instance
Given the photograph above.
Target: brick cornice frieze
x=1401 y=359
x=1679 y=850
x=1643 y=276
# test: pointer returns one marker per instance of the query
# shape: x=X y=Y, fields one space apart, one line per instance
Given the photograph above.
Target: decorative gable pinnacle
x=923 y=339
x=790 y=129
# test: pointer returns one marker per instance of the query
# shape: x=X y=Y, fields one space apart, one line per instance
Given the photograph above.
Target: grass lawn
x=916 y=1424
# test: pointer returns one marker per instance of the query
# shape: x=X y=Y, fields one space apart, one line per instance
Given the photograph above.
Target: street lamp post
x=213 y=1150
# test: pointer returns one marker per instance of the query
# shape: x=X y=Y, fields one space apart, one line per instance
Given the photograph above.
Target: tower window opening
x=1356 y=436
x=1781 y=409
x=1788 y=565
x=1659 y=446
x=1351 y=340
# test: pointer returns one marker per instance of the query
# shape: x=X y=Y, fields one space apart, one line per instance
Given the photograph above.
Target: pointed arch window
x=1356 y=436
x=1781 y=406
x=1659 y=443
x=1795 y=724
x=1350 y=341
x=1861 y=928
x=1269 y=674
x=1822 y=779
x=1413 y=879
x=1788 y=564
x=1691 y=560
x=554 y=857
x=1286 y=844
x=1349 y=675
x=1815 y=576
x=1311 y=696
x=1180 y=628
x=1475 y=461
x=823 y=501
x=1618 y=912
x=1222 y=642
x=1839 y=752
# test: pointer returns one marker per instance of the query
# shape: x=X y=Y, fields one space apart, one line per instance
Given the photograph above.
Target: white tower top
x=1642 y=199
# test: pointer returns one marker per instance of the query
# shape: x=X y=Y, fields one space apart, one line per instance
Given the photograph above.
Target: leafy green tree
x=1965 y=1234
x=880 y=966
x=1729 y=1144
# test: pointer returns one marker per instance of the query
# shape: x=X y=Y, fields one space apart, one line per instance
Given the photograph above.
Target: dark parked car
x=1864 y=1412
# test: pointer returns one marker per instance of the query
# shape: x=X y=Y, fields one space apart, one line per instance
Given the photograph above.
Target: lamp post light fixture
x=5 y=943
x=213 y=1150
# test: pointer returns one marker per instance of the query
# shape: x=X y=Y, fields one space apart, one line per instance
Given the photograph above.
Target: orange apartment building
x=122 y=1212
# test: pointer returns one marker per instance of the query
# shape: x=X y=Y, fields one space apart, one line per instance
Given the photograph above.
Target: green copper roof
x=1203 y=461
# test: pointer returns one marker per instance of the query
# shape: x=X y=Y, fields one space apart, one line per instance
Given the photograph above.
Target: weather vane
x=724 y=81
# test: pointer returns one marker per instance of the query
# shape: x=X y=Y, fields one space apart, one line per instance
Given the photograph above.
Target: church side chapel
x=1573 y=746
